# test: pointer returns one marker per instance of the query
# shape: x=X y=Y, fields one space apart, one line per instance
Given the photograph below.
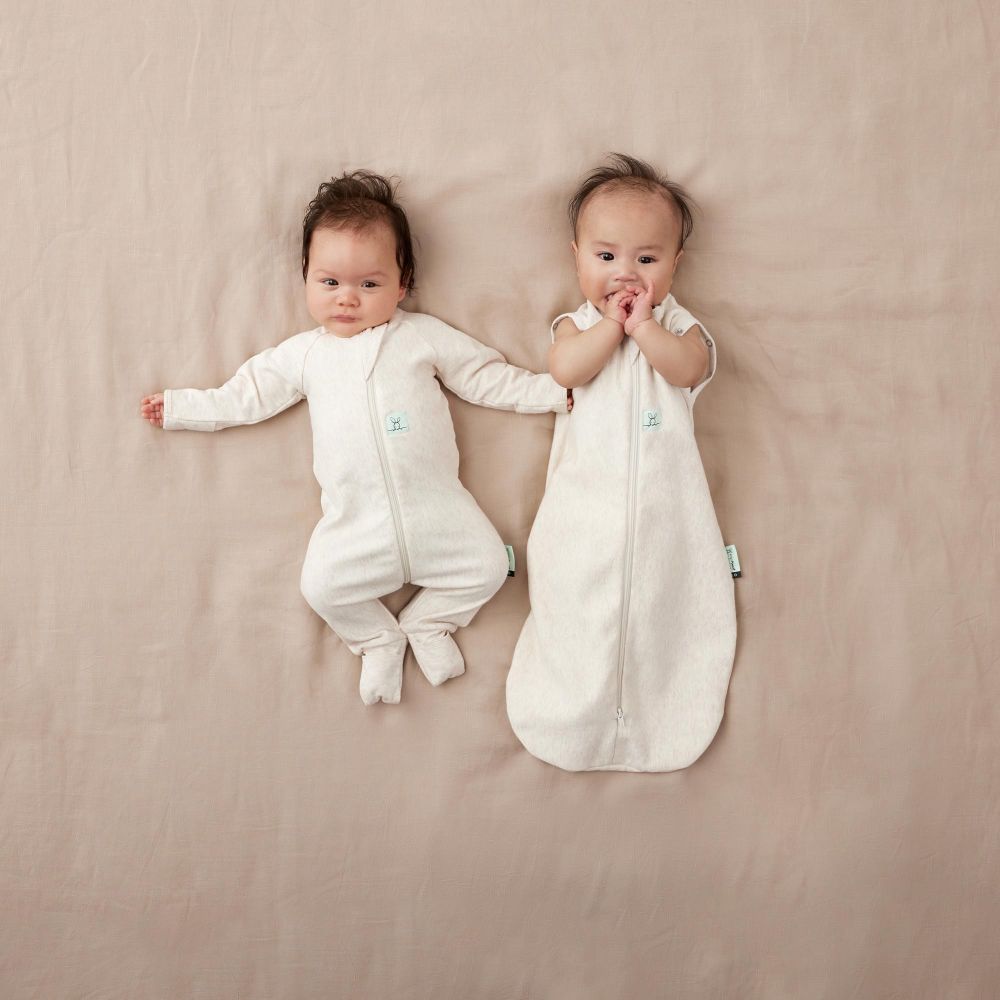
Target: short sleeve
x=557 y=321
x=693 y=393
x=679 y=321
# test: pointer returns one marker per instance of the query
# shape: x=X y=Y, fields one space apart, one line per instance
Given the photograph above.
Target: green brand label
x=734 y=560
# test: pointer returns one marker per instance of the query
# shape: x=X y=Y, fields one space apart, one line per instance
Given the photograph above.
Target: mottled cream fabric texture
x=624 y=661
x=384 y=455
x=194 y=802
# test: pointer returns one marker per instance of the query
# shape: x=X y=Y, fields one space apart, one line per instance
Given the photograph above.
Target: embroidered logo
x=651 y=420
x=397 y=422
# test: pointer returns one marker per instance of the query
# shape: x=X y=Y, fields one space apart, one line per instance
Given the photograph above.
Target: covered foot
x=382 y=674
x=438 y=656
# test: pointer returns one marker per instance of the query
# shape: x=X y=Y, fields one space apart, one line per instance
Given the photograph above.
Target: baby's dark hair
x=631 y=174
x=359 y=200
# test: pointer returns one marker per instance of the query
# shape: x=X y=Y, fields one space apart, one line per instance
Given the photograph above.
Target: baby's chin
x=344 y=329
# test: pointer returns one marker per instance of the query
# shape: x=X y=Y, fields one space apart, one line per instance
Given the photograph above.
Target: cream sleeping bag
x=624 y=660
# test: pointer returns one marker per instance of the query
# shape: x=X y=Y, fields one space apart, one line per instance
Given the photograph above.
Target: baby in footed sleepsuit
x=394 y=510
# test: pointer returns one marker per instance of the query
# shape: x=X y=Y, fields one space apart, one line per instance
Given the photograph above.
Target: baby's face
x=626 y=238
x=353 y=279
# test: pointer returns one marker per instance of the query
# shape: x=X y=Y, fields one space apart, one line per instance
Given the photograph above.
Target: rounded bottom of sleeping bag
x=572 y=754
x=571 y=719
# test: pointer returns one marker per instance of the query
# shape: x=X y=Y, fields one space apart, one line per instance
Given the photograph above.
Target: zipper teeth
x=390 y=489
x=633 y=463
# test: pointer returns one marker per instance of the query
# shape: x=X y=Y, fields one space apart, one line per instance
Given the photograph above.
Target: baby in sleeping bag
x=624 y=660
x=394 y=510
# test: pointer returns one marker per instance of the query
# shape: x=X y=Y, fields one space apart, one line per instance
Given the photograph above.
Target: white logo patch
x=397 y=422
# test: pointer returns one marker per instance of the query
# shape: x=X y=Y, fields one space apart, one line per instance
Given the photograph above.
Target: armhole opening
x=693 y=392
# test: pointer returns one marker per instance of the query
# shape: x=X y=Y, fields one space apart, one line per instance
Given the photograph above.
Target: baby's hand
x=619 y=305
x=641 y=307
x=151 y=408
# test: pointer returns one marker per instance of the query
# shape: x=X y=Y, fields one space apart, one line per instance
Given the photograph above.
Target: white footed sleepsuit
x=624 y=660
x=394 y=509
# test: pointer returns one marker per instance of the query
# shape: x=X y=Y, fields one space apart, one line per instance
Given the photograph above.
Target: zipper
x=390 y=489
x=633 y=463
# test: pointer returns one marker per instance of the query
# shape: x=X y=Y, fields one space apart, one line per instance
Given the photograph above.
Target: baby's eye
x=647 y=260
x=329 y=282
x=370 y=284
x=606 y=255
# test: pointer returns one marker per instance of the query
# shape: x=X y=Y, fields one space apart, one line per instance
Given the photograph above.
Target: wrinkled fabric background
x=195 y=803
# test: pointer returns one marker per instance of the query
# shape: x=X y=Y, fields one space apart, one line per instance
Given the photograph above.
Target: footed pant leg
x=366 y=626
x=370 y=630
x=452 y=594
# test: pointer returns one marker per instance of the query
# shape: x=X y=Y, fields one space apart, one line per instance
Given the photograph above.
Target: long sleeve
x=481 y=375
x=264 y=385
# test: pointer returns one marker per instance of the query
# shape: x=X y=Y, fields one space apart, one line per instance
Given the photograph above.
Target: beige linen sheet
x=195 y=803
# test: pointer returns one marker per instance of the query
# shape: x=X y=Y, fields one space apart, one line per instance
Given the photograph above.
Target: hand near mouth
x=640 y=306
x=618 y=306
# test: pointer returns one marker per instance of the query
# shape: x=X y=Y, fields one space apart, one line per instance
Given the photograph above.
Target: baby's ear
x=402 y=293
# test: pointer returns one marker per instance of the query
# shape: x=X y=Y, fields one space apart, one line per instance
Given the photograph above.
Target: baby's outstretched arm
x=481 y=375
x=264 y=385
